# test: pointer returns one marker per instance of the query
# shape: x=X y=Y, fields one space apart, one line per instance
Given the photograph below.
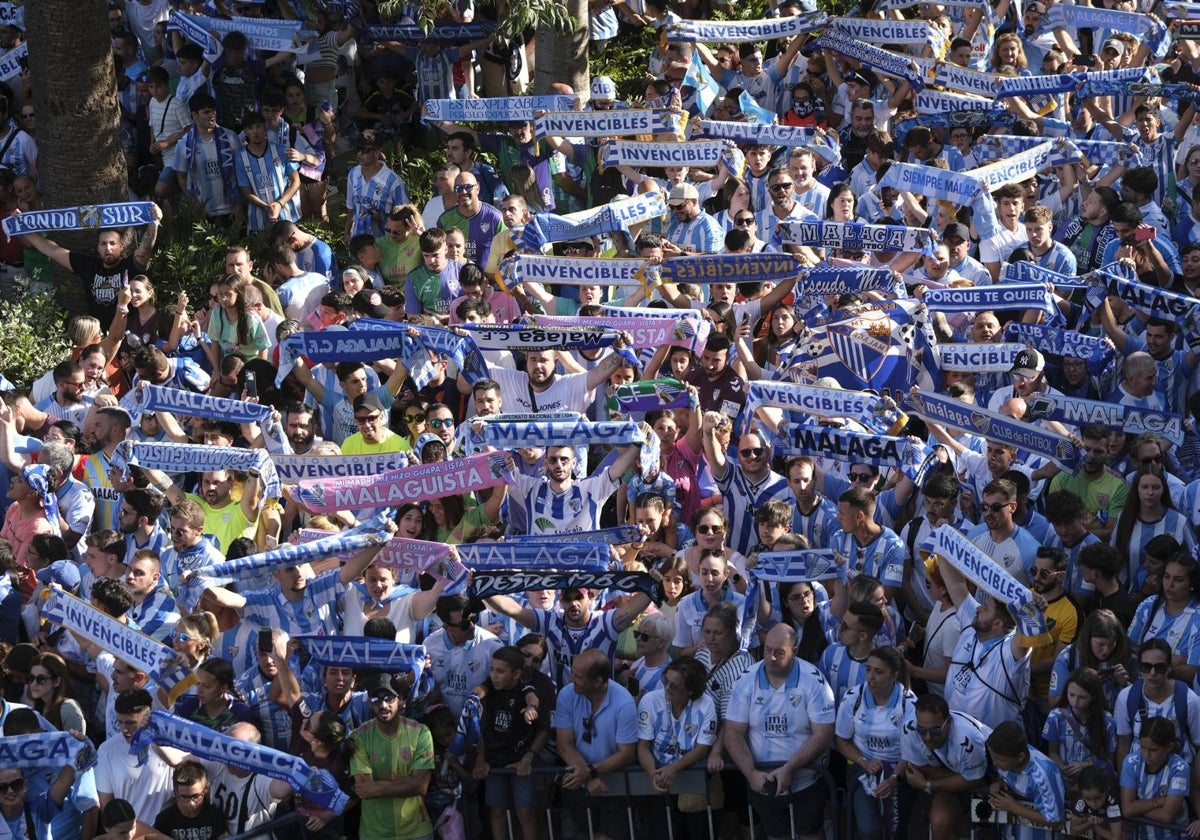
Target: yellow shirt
x=225 y=523
x=392 y=442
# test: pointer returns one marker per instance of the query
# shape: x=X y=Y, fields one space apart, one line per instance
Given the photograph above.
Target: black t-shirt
x=209 y=824
x=103 y=282
x=506 y=735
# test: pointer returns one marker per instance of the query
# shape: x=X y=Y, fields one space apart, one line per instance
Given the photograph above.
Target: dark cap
x=379 y=683
x=957 y=229
x=369 y=402
x=1028 y=363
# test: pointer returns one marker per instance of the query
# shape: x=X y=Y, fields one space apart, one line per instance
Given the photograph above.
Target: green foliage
x=32 y=338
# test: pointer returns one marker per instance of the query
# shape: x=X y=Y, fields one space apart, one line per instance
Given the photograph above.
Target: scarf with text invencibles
x=167 y=730
x=982 y=358
x=616 y=123
x=949 y=545
x=743 y=31
x=413 y=484
x=571 y=271
x=143 y=652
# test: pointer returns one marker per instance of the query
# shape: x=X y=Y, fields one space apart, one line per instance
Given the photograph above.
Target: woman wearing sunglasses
x=1156 y=693
x=710 y=528
x=48 y=687
x=1167 y=616
x=194 y=637
x=408 y=420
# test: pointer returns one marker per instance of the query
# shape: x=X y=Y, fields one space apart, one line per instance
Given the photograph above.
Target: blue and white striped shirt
x=267 y=177
x=370 y=200
x=703 y=234
x=742 y=497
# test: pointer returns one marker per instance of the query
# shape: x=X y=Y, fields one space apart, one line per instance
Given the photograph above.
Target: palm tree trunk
x=563 y=56
x=74 y=91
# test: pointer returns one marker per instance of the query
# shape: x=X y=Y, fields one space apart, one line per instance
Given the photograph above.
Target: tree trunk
x=563 y=56
x=75 y=94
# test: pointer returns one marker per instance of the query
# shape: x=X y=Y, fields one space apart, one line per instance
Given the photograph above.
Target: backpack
x=1136 y=704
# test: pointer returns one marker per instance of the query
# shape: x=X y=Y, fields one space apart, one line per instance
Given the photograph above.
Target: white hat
x=603 y=88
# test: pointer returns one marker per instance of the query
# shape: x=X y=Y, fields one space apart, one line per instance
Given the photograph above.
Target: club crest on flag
x=89 y=216
x=983 y=424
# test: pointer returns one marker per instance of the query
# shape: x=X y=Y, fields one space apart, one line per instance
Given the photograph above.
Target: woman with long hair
x=49 y=688
x=676 y=581
x=680 y=451
x=407 y=419
x=1168 y=616
x=869 y=740
x=523 y=182
x=143 y=319
x=710 y=527
x=316 y=126
x=442 y=517
x=325 y=745
x=232 y=327
x=733 y=198
x=217 y=703
x=1148 y=512
x=781 y=333
x=1080 y=732
x=194 y=637
x=1101 y=645
x=1008 y=51
x=714 y=589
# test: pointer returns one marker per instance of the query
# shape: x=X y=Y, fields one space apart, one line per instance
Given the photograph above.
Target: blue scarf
x=493 y=109
x=743 y=31
x=854 y=447
x=524 y=554
x=996 y=117
x=545 y=228
x=979 y=358
x=486 y=584
x=1077 y=411
x=616 y=123
x=527 y=338
x=164 y=729
x=89 y=217
x=648 y=395
x=35 y=476
x=979 y=421
x=726 y=268
x=185 y=157
x=362 y=652
x=504 y=435
x=372 y=532
x=891 y=63
x=855 y=236
x=293 y=468
x=149 y=398
x=619 y=535
x=1003 y=297
x=46 y=749
x=190 y=457
x=1058 y=342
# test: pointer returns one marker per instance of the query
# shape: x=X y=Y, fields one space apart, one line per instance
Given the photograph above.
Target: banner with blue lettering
x=86 y=217
x=891 y=63
x=167 y=730
x=725 y=268
x=46 y=749
x=524 y=554
x=811 y=399
x=743 y=31
x=506 y=435
x=938 y=101
x=139 y=650
x=361 y=344
x=1150 y=300
x=185 y=457
x=1076 y=411
x=868 y=346
x=12 y=63
x=272 y=35
x=573 y=271
x=619 y=535
x=485 y=584
x=1003 y=297
x=918 y=32
x=1060 y=15
x=841 y=445
x=364 y=652
x=616 y=123
x=525 y=338
x=948 y=544
x=855 y=236
x=372 y=532
x=971 y=419
x=1027 y=272
x=701 y=153
x=294 y=468
x=981 y=358
x=1094 y=350
x=148 y=398
x=774 y=135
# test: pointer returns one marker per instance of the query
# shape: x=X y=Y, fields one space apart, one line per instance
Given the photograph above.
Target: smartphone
x=265 y=643
x=1145 y=234
x=251 y=384
x=745 y=317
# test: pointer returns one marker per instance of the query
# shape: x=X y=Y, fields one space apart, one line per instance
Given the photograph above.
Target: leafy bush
x=32 y=338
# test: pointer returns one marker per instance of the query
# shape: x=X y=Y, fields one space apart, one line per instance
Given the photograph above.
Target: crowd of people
x=848 y=444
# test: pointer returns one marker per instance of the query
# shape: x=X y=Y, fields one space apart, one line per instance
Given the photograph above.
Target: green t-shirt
x=386 y=759
x=1108 y=492
x=399 y=258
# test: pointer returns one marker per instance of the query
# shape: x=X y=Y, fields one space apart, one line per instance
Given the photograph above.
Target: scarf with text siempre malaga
x=167 y=730
x=413 y=484
x=121 y=640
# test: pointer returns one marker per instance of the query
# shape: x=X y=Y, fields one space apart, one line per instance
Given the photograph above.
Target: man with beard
x=1027 y=379
x=1088 y=234
x=68 y=402
x=541 y=389
x=1103 y=492
x=189 y=550
x=690 y=230
x=225 y=519
x=784 y=208
x=1063 y=618
x=106 y=427
x=460 y=653
x=557 y=503
x=999 y=536
x=854 y=136
x=746 y=486
x=154 y=608
x=137 y=518
x=720 y=388
x=989 y=670
x=299 y=427
x=108 y=270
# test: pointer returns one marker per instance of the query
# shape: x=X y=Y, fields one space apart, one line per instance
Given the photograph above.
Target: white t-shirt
x=568 y=392
x=245 y=801
x=399 y=612
x=997 y=248
x=147 y=788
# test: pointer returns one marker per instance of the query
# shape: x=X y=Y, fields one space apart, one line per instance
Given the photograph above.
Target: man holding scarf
x=745 y=486
x=541 y=388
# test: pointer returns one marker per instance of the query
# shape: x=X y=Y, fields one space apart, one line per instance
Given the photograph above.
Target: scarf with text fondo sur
x=190 y=457
x=510 y=582
x=973 y=420
x=525 y=338
x=143 y=652
x=87 y=217
x=46 y=749
x=948 y=544
x=413 y=484
x=1095 y=351
x=167 y=730
x=616 y=123
x=493 y=109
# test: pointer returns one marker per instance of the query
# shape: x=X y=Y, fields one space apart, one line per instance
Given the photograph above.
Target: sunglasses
x=41 y=679
x=1154 y=667
x=380 y=699
x=1157 y=459
x=16 y=786
x=183 y=637
x=1044 y=573
x=781 y=187
x=414 y=418
x=710 y=529
x=994 y=507
x=465 y=188
x=928 y=731
x=744 y=222
x=642 y=637
x=864 y=477
x=441 y=423
x=752 y=452
x=366 y=418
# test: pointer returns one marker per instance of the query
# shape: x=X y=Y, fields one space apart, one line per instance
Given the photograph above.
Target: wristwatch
x=592 y=774
x=929 y=785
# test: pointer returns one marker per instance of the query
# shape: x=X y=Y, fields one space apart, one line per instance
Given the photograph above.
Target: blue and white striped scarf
x=507 y=435
x=498 y=109
x=191 y=457
x=1059 y=342
x=571 y=271
x=456 y=32
x=272 y=35
x=974 y=420
x=773 y=135
x=1016 y=168
x=1065 y=82
x=164 y=729
x=842 y=445
x=1089 y=17
x=981 y=358
x=949 y=545
x=37 y=479
x=1175 y=91
x=855 y=236
x=46 y=749
x=148 y=398
x=1027 y=272
x=848 y=280
x=185 y=157
x=743 y=31
x=700 y=153
x=1180 y=11
x=365 y=652
x=915 y=32
x=372 y=532
x=795 y=566
x=1106 y=153
x=870 y=55
x=1077 y=411
x=616 y=217
x=993 y=118
x=616 y=123
x=1151 y=300
x=1002 y=297
x=938 y=101
x=88 y=217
